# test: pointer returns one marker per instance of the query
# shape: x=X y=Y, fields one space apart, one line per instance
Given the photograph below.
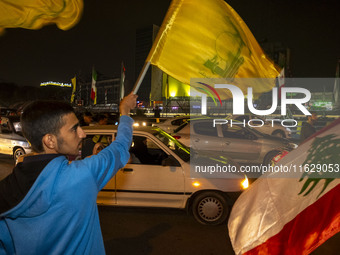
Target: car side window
x=242 y=117
x=93 y=144
x=145 y=151
x=235 y=132
x=205 y=128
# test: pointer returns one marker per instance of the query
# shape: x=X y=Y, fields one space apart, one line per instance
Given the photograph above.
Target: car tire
x=210 y=208
x=269 y=157
x=279 y=133
x=17 y=153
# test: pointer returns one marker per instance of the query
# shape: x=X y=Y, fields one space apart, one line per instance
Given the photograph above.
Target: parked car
x=170 y=124
x=12 y=142
x=158 y=175
x=146 y=121
x=243 y=144
x=268 y=127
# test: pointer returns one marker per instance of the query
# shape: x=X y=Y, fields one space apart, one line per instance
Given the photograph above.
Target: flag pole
x=122 y=79
x=141 y=77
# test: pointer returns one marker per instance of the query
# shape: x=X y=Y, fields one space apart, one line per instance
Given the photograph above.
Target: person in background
x=308 y=127
x=140 y=150
x=86 y=119
x=157 y=112
x=48 y=204
x=103 y=119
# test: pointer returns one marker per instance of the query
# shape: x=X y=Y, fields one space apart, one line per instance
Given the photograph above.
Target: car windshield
x=178 y=148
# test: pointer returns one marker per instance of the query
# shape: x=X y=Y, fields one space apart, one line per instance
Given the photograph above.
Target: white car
x=171 y=124
x=265 y=126
x=243 y=144
x=161 y=177
x=12 y=141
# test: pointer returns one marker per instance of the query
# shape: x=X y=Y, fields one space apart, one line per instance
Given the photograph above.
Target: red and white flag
x=292 y=212
x=93 y=86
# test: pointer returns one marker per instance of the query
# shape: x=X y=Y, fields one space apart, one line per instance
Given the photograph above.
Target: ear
x=50 y=143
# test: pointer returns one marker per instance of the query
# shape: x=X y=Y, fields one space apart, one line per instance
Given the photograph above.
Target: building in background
x=279 y=53
x=151 y=84
x=108 y=93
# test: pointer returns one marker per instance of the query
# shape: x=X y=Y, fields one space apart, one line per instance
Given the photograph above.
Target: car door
x=204 y=137
x=240 y=144
x=143 y=182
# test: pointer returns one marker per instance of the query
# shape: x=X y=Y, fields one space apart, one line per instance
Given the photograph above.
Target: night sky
x=105 y=36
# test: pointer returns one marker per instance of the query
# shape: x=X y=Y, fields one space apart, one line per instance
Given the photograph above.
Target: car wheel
x=17 y=153
x=279 y=133
x=210 y=208
x=269 y=157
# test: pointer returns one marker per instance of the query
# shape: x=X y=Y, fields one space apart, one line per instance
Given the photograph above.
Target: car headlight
x=245 y=183
x=196 y=184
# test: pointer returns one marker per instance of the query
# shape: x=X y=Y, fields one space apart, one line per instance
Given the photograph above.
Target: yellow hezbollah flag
x=34 y=14
x=210 y=40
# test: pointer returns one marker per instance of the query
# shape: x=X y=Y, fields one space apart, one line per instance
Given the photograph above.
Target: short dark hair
x=43 y=117
x=102 y=117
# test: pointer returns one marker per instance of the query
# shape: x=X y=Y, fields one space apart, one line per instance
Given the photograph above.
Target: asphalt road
x=163 y=231
x=160 y=231
x=136 y=231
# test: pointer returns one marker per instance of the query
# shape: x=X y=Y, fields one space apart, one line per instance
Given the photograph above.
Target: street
x=162 y=231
